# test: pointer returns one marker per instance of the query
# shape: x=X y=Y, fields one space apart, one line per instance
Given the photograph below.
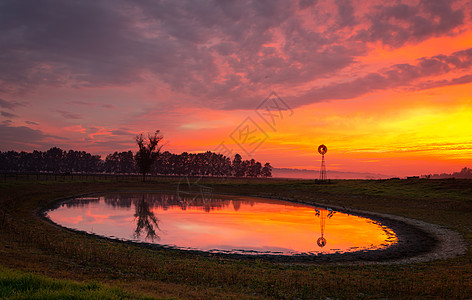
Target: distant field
x=30 y=244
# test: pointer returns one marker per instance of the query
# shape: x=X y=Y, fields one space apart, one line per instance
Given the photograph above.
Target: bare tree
x=148 y=152
x=145 y=220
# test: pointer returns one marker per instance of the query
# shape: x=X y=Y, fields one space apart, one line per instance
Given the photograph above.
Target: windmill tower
x=321 y=213
x=322 y=149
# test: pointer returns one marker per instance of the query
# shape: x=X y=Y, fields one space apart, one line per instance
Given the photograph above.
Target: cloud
x=303 y=4
x=346 y=17
x=110 y=146
x=121 y=132
x=399 y=23
x=83 y=103
x=31 y=123
x=422 y=147
x=430 y=84
x=218 y=53
x=398 y=75
x=8 y=105
x=69 y=115
x=67 y=43
x=7 y=114
x=75 y=128
x=20 y=134
x=24 y=138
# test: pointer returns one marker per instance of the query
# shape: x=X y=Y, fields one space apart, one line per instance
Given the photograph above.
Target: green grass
x=29 y=243
x=21 y=285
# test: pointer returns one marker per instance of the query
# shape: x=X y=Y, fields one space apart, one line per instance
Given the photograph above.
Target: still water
x=221 y=223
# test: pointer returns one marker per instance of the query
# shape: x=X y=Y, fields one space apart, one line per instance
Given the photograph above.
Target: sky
x=385 y=85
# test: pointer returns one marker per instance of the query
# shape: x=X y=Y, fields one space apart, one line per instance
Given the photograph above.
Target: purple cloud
x=20 y=134
x=31 y=123
x=398 y=23
x=346 y=16
x=121 y=131
x=7 y=114
x=69 y=115
x=23 y=137
x=8 y=105
x=222 y=53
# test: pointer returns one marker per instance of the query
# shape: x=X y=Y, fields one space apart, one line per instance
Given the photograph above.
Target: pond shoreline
x=418 y=241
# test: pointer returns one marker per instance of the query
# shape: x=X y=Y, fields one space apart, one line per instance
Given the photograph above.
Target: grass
x=30 y=244
x=21 y=285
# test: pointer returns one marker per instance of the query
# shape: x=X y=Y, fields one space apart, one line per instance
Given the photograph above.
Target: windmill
x=322 y=149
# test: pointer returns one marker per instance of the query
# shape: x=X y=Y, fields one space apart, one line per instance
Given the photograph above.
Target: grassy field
x=93 y=266
x=20 y=285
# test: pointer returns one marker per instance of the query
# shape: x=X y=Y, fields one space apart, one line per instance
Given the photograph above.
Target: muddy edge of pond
x=418 y=241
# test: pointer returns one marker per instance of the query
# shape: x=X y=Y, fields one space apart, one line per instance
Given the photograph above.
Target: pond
x=221 y=224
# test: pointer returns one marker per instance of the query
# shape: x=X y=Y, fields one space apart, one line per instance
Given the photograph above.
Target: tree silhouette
x=266 y=170
x=238 y=166
x=253 y=168
x=148 y=152
x=120 y=162
x=154 y=162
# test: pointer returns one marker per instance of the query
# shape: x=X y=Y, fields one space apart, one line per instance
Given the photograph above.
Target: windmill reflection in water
x=323 y=214
x=148 y=223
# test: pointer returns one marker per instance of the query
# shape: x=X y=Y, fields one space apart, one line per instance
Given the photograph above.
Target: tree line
x=464 y=173
x=56 y=160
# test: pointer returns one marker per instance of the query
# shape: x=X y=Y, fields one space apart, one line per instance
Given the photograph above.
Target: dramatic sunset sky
x=386 y=85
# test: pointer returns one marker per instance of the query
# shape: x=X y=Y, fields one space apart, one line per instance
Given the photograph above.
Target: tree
x=267 y=170
x=148 y=152
x=120 y=162
x=54 y=159
x=253 y=168
x=238 y=166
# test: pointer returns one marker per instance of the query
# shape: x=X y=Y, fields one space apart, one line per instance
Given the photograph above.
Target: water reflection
x=166 y=201
x=145 y=220
x=321 y=213
x=192 y=188
x=221 y=223
x=81 y=202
